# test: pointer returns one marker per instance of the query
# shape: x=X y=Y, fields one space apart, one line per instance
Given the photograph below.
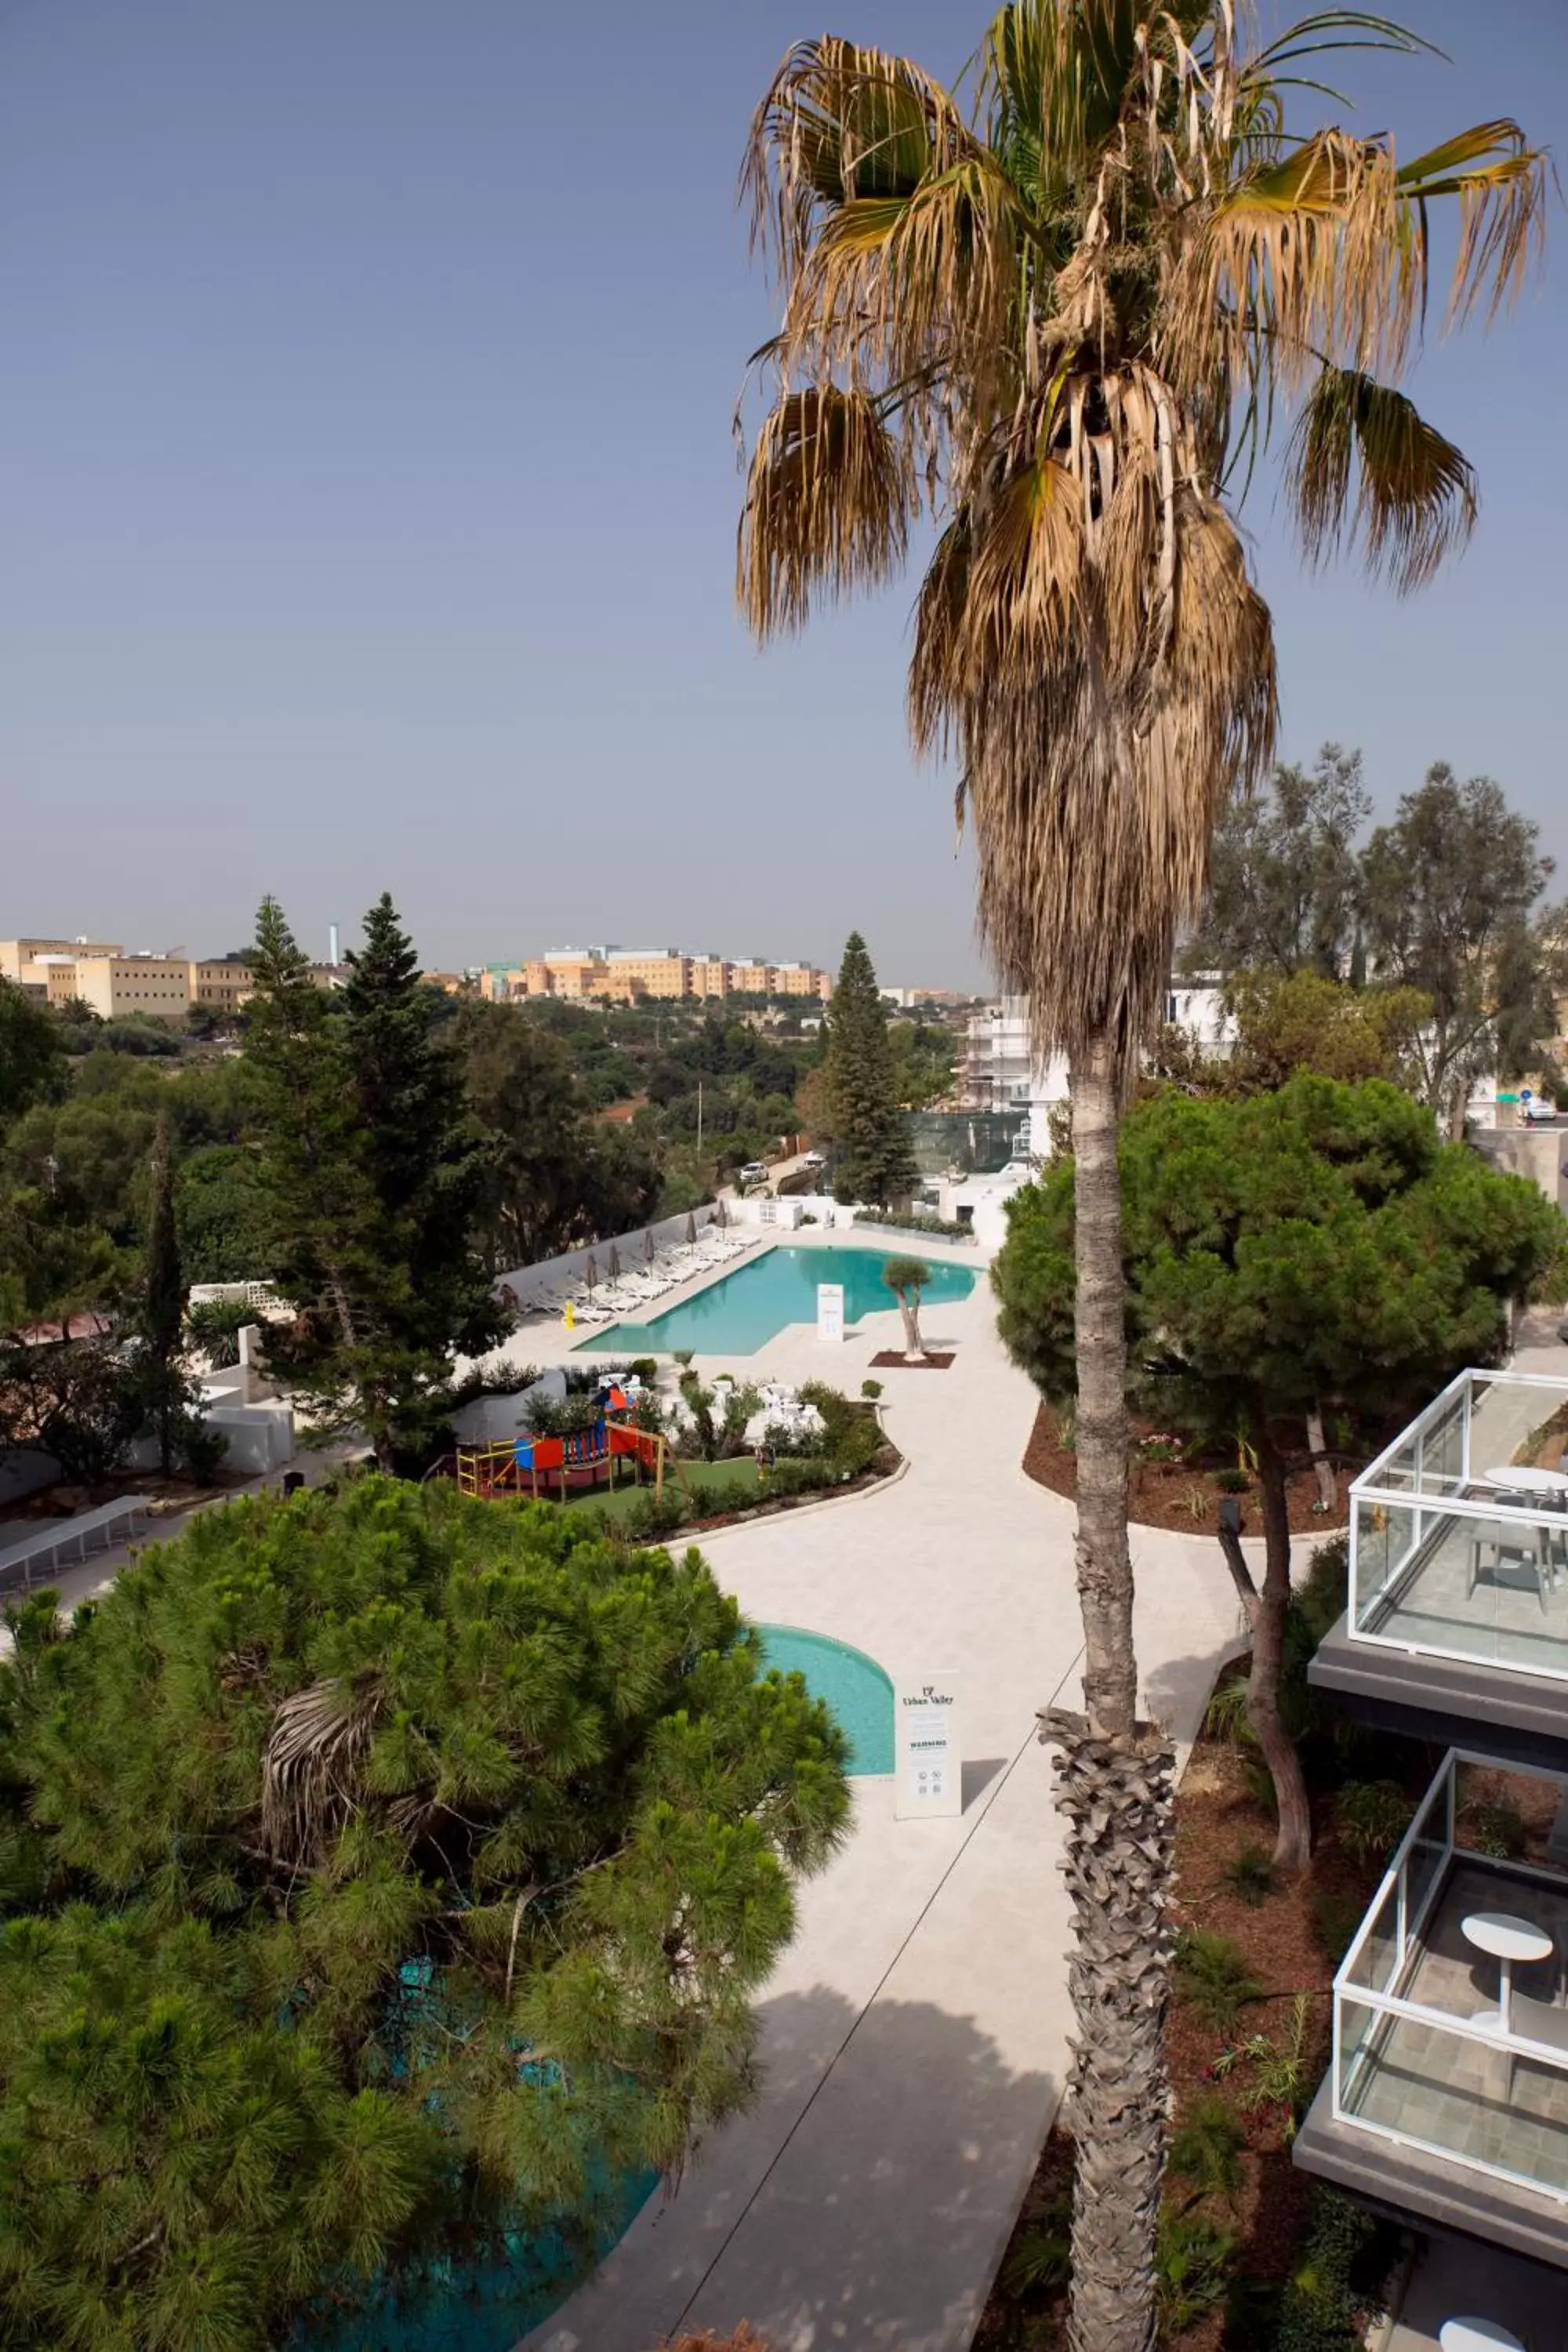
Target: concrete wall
x=1541 y=1153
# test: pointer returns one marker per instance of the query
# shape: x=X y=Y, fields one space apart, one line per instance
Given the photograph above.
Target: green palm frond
x=1415 y=498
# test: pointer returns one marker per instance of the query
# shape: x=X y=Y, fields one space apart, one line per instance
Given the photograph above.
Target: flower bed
x=1246 y=2053
x=1180 y=1486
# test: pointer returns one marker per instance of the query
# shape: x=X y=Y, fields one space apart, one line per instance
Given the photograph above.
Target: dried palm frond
x=318 y=1736
x=1416 y=499
x=828 y=503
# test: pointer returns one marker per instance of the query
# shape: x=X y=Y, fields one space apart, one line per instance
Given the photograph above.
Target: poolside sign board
x=925 y=1730
x=830 y=1311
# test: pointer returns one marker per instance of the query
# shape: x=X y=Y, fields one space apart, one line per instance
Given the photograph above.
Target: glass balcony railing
x=1458 y=1534
x=1424 y=2054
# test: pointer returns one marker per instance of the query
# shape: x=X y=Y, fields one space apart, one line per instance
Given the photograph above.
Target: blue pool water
x=853 y=1685
x=742 y=1313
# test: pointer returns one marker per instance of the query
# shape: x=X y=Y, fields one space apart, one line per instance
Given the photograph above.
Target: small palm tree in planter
x=906 y=1277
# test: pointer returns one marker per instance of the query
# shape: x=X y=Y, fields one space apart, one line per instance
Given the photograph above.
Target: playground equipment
x=575 y=1460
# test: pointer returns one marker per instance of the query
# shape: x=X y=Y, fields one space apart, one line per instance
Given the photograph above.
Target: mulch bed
x=1291 y=1943
x=1181 y=1493
x=892 y=1360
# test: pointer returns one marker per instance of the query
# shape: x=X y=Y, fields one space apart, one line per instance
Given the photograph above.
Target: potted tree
x=906 y=1277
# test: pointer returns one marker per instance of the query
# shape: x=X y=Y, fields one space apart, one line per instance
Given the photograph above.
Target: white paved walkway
x=915 y=2032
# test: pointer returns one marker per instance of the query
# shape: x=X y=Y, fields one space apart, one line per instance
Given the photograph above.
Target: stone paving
x=915 y=2033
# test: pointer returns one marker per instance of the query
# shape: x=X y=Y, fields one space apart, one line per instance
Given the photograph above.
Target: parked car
x=813 y=1160
x=754 y=1173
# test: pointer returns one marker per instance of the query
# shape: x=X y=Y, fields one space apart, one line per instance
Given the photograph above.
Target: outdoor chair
x=1491 y=1554
x=1536 y=2020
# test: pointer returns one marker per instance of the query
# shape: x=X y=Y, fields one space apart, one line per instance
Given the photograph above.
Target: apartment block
x=1446 y=2098
x=119 y=987
x=664 y=974
x=222 y=985
x=28 y=962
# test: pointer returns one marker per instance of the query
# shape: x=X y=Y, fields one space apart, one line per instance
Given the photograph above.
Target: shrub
x=1282 y=2078
x=1335 y=1918
x=1212 y=1974
x=645 y=1367
x=683 y=1356
x=1206 y=2149
x=1225 y=1717
x=215 y=1327
x=1194 y=2265
x=719 y=1416
x=1232 y=1481
x=649 y=1518
x=1039 y=2260
x=802 y=1478
x=871 y=1389
x=1336 y=2287
x=1495 y=1826
x=1371 y=1816
x=913 y=1223
x=1250 y=1875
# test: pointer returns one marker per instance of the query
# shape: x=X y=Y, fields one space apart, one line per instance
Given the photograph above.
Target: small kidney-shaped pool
x=854 y=1686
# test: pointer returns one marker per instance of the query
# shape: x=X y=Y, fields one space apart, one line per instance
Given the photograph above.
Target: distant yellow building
x=664 y=974
x=222 y=985
x=27 y=962
x=119 y=988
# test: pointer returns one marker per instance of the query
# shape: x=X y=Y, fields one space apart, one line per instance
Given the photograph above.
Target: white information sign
x=925 y=1732
x=830 y=1311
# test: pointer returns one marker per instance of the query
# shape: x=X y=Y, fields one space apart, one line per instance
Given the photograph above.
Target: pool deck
x=915 y=2032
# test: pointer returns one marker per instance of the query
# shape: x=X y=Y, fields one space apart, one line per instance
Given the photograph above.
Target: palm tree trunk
x=1113 y=1785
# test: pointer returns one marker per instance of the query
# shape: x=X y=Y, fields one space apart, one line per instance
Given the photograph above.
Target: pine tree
x=376 y=1791
x=876 y=1159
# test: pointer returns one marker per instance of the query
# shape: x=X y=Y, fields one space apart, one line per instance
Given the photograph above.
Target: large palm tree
x=1063 y=321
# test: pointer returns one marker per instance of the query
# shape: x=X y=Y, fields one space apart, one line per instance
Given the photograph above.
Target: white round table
x=1528 y=1482
x=1507 y=1939
x=1477 y=2335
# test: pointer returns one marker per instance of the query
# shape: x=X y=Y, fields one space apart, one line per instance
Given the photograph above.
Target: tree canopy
x=1316 y=1243
x=1284 y=894
x=380 y=1872
x=1285 y=1253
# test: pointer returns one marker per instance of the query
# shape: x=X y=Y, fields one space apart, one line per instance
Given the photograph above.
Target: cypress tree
x=876 y=1159
x=164 y=1306
x=321 y=1206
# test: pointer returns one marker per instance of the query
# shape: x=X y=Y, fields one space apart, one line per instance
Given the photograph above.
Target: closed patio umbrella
x=690 y=1232
x=614 y=1263
x=591 y=1271
x=649 y=1246
x=723 y=1217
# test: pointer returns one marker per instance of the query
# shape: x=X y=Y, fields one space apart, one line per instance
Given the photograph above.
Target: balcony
x=1437 y=2102
x=1458 y=1570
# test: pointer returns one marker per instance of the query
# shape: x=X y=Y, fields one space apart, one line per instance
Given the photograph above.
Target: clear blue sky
x=367 y=499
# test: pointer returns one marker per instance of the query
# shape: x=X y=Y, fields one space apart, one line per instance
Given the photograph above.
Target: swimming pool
x=743 y=1312
x=854 y=1686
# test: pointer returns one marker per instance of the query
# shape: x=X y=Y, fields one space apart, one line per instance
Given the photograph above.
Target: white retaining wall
x=669 y=1233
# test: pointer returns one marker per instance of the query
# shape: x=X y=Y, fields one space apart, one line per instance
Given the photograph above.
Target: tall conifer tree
x=162 y=1306
x=876 y=1159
